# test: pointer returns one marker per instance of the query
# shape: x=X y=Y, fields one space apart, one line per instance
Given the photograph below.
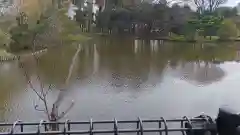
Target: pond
x=126 y=78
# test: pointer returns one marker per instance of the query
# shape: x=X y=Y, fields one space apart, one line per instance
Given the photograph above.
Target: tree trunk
x=53 y=118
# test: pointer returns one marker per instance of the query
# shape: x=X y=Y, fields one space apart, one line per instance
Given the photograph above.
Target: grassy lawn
x=175 y=37
x=76 y=37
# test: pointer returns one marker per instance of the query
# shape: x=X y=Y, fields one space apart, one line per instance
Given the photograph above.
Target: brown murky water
x=126 y=78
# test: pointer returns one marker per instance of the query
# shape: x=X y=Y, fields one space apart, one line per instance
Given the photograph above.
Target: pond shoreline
x=170 y=39
x=192 y=41
x=16 y=57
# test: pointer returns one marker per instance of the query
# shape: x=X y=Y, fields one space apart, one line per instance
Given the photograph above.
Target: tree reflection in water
x=200 y=63
x=132 y=64
x=10 y=82
x=200 y=73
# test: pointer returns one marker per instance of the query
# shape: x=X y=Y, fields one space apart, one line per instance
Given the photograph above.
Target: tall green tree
x=206 y=25
x=228 y=29
x=226 y=12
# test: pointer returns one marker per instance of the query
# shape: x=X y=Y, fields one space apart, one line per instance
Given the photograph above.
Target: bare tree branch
x=49 y=88
x=210 y=5
x=36 y=107
x=42 y=94
x=29 y=80
x=41 y=87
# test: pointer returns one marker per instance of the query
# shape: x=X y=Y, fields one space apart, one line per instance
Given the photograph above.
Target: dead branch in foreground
x=42 y=93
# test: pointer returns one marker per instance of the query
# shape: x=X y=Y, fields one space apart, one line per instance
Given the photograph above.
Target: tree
x=236 y=20
x=81 y=16
x=227 y=12
x=190 y=31
x=103 y=19
x=208 y=5
x=4 y=38
x=52 y=114
x=23 y=35
x=179 y=18
x=120 y=19
x=206 y=25
x=228 y=29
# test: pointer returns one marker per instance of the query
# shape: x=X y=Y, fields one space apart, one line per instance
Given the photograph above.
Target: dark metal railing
x=185 y=126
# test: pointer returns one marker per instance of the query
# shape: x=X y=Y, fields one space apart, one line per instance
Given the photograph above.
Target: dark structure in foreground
x=227 y=123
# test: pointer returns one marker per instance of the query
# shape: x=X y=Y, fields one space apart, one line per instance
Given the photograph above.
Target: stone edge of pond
x=16 y=57
x=186 y=40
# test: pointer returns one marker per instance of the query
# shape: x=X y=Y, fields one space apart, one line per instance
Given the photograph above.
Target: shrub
x=190 y=32
x=227 y=30
x=21 y=38
x=23 y=35
x=4 y=39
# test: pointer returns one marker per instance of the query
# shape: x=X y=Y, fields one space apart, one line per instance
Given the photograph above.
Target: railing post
x=13 y=127
x=91 y=127
x=165 y=125
x=140 y=125
x=65 y=127
x=115 y=127
x=69 y=127
x=21 y=126
x=190 y=124
x=39 y=127
x=182 y=126
x=45 y=127
x=160 y=127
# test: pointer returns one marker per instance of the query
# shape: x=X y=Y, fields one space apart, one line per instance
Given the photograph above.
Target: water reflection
x=10 y=82
x=127 y=63
x=200 y=73
x=114 y=74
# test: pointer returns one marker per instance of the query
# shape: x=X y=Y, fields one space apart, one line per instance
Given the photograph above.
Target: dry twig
x=42 y=94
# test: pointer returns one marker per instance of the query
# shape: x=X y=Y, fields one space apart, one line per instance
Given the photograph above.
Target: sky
x=232 y=2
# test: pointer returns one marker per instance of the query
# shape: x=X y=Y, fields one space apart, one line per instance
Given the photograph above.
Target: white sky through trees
x=232 y=3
